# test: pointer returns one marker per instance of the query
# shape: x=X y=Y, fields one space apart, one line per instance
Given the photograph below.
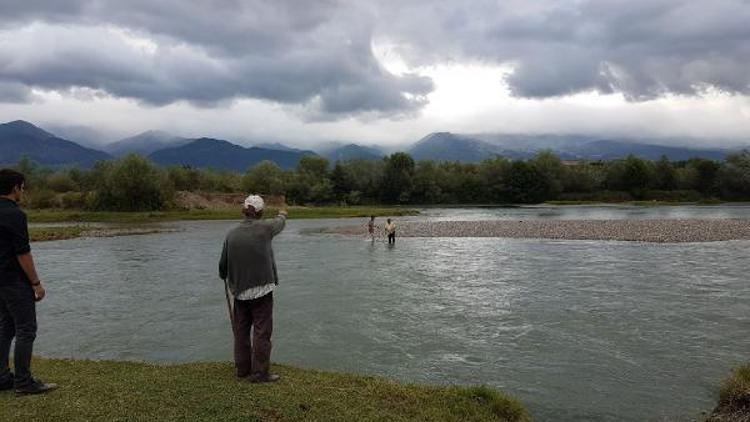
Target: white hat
x=254 y=201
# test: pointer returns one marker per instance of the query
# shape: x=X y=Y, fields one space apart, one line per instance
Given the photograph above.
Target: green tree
x=398 y=178
x=705 y=175
x=583 y=177
x=665 y=174
x=427 y=178
x=185 y=178
x=265 y=177
x=632 y=174
x=734 y=177
x=62 y=182
x=525 y=183
x=494 y=175
x=313 y=168
x=549 y=167
x=131 y=184
x=342 y=182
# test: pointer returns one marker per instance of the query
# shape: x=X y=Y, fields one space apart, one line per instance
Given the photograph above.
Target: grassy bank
x=109 y=391
x=42 y=234
x=65 y=216
x=734 y=398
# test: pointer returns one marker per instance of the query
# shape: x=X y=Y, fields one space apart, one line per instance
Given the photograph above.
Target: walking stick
x=230 y=306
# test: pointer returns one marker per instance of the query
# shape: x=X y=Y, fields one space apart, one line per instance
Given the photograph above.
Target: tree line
x=134 y=183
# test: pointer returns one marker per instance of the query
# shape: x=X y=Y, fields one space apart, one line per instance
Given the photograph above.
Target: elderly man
x=247 y=265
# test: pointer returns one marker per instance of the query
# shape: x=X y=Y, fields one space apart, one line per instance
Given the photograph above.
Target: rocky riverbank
x=659 y=231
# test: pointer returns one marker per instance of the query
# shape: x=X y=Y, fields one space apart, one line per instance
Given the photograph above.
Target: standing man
x=20 y=289
x=247 y=265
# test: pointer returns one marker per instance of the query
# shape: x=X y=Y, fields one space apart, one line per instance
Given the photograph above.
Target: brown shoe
x=261 y=378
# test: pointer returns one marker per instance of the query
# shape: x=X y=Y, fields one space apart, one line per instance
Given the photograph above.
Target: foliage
x=398 y=178
x=265 y=178
x=131 y=184
x=134 y=183
x=734 y=397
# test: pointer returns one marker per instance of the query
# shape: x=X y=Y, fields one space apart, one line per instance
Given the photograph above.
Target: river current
x=578 y=330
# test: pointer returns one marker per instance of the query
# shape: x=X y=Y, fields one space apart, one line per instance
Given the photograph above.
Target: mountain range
x=19 y=138
x=446 y=146
x=145 y=143
x=224 y=155
x=337 y=151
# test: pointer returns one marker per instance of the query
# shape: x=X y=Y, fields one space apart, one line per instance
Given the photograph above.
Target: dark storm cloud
x=320 y=51
x=643 y=48
x=206 y=53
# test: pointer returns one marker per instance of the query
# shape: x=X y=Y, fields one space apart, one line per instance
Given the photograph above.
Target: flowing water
x=578 y=330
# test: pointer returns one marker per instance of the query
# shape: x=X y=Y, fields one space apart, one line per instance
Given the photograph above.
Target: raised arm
x=279 y=223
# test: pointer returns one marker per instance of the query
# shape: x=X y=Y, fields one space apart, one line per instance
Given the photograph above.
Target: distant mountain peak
x=145 y=143
x=220 y=154
x=26 y=127
x=351 y=151
x=19 y=138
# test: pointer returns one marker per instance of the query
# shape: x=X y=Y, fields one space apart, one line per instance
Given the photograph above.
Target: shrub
x=132 y=184
x=42 y=198
x=73 y=200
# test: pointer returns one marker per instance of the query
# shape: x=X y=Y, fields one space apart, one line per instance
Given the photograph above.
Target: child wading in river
x=390 y=230
x=371 y=227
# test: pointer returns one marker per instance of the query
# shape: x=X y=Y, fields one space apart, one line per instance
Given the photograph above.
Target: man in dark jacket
x=247 y=265
x=20 y=289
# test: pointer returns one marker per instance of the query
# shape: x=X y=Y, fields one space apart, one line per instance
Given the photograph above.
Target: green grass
x=734 y=398
x=41 y=234
x=122 y=391
x=62 y=216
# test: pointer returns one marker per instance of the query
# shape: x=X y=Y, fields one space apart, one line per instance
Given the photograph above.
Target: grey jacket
x=247 y=257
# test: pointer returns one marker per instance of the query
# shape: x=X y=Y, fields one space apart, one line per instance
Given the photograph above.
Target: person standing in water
x=390 y=230
x=371 y=227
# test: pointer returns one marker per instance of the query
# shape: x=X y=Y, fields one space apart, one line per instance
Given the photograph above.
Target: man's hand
x=39 y=292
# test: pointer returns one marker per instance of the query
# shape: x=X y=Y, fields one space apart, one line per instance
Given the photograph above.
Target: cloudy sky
x=383 y=72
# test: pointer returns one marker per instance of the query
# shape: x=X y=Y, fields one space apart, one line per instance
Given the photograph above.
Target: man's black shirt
x=14 y=241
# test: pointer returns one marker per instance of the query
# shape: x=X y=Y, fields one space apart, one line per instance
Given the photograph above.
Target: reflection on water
x=579 y=330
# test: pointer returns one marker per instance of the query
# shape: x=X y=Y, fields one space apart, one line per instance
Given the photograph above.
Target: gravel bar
x=659 y=231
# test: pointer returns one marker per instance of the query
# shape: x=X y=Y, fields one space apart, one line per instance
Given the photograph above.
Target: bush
x=132 y=184
x=73 y=200
x=42 y=198
x=61 y=182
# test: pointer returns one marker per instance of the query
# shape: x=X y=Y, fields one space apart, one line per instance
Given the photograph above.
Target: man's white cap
x=254 y=201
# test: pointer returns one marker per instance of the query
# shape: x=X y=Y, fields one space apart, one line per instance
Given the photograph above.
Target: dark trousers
x=391 y=238
x=17 y=319
x=256 y=315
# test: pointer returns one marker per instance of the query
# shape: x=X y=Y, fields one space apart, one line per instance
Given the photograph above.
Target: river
x=578 y=330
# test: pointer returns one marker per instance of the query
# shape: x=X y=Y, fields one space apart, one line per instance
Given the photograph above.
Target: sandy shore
x=659 y=231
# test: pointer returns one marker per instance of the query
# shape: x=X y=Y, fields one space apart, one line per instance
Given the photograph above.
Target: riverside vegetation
x=135 y=184
x=734 y=398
